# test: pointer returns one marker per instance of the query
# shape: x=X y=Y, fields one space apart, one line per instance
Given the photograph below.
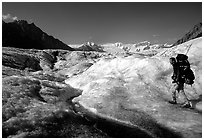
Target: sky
x=108 y=22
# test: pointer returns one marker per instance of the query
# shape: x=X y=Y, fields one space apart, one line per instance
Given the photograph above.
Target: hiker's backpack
x=185 y=74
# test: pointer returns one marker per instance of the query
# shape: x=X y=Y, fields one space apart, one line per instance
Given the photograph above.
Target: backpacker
x=189 y=76
x=185 y=74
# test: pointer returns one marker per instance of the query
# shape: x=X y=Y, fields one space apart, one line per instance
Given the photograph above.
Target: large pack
x=184 y=74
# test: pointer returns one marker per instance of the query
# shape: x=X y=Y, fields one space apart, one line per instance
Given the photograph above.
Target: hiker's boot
x=173 y=101
x=187 y=105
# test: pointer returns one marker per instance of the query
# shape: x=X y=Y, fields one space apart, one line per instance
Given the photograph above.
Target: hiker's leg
x=174 y=97
x=181 y=91
x=187 y=102
x=174 y=89
x=186 y=98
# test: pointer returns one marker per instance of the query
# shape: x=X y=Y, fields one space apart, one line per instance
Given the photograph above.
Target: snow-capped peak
x=90 y=43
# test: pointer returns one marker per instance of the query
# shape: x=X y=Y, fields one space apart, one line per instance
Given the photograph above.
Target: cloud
x=9 y=17
x=155 y=35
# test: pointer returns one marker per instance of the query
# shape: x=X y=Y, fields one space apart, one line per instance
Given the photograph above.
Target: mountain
x=90 y=46
x=144 y=43
x=144 y=47
x=195 y=32
x=21 y=34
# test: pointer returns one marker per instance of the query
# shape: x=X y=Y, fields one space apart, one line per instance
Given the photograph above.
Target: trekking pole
x=188 y=48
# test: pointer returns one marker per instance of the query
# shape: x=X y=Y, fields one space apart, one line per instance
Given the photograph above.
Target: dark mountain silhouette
x=21 y=34
x=195 y=32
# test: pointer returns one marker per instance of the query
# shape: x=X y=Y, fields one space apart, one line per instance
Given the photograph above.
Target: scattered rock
x=48 y=59
x=20 y=61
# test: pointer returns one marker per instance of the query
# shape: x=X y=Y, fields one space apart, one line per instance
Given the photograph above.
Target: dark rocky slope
x=21 y=34
x=195 y=32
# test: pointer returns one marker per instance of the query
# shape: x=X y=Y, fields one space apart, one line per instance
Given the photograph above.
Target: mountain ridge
x=193 y=33
x=21 y=34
